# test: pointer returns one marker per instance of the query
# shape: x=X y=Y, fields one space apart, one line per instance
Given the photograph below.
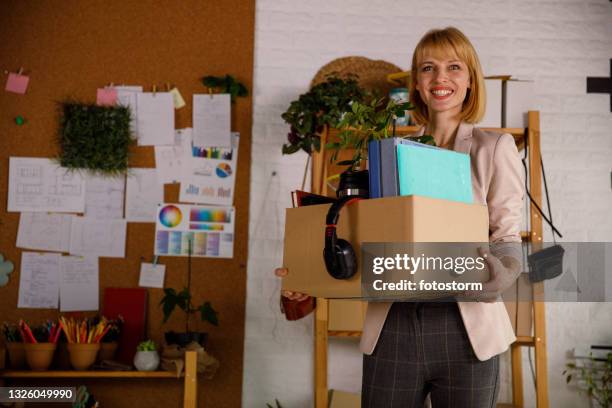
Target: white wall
x=556 y=43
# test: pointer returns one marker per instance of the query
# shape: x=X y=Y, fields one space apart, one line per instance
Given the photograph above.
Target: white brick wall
x=556 y=43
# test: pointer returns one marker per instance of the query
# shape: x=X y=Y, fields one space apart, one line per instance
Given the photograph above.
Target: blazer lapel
x=463 y=140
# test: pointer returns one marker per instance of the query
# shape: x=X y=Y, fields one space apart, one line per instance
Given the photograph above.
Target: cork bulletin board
x=69 y=48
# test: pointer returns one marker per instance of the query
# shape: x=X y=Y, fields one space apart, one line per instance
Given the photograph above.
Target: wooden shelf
x=517 y=133
x=344 y=333
x=86 y=374
x=190 y=377
x=525 y=340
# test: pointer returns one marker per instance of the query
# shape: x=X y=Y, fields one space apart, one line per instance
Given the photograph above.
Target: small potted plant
x=14 y=346
x=146 y=357
x=183 y=300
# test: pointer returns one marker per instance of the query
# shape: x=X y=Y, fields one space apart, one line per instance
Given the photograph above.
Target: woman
x=450 y=350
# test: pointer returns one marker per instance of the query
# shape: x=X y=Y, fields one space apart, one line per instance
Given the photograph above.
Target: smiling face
x=444 y=67
x=442 y=83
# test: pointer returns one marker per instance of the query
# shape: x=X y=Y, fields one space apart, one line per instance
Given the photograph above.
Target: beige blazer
x=497 y=181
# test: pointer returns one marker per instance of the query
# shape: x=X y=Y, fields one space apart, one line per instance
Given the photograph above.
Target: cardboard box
x=341 y=399
x=349 y=315
x=346 y=315
x=493 y=112
x=519 y=99
x=518 y=301
x=389 y=219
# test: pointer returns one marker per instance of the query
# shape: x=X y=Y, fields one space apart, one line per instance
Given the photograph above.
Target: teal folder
x=436 y=173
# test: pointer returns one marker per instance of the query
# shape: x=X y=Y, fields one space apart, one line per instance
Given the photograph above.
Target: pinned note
x=152 y=275
x=17 y=83
x=155 y=118
x=179 y=102
x=106 y=97
x=39 y=280
x=211 y=120
x=79 y=283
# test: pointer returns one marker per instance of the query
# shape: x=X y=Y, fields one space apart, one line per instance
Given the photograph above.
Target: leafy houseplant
x=148 y=345
x=95 y=137
x=596 y=375
x=226 y=84
x=324 y=104
x=367 y=121
x=183 y=300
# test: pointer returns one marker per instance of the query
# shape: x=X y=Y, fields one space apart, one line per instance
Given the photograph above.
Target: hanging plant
x=95 y=138
x=226 y=84
x=324 y=104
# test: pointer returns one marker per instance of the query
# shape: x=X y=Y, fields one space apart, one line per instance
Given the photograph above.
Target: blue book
x=436 y=173
x=374 y=168
x=388 y=164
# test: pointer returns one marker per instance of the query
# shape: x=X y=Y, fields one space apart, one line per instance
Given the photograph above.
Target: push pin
x=19 y=120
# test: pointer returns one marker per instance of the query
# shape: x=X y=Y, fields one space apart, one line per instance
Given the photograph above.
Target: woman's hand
x=282 y=272
x=502 y=274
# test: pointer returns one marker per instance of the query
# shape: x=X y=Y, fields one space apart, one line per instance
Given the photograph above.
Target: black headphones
x=340 y=258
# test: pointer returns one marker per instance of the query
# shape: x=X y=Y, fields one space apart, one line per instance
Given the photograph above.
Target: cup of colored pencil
x=39 y=344
x=83 y=340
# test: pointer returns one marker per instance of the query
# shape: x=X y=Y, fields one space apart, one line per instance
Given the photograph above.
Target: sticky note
x=177 y=98
x=17 y=83
x=106 y=96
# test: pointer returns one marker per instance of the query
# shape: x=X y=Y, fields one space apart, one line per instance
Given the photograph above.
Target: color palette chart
x=209 y=229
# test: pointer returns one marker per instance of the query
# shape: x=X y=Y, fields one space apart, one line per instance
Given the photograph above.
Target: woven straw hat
x=372 y=73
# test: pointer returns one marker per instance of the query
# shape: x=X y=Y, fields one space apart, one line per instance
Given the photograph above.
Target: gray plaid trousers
x=424 y=349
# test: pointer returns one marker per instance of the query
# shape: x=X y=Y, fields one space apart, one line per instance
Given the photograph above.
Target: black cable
x=544 y=217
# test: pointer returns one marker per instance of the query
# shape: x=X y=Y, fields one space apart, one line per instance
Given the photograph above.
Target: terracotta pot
x=16 y=355
x=39 y=355
x=107 y=351
x=83 y=355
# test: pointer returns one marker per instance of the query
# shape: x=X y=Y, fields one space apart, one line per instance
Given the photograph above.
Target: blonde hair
x=441 y=43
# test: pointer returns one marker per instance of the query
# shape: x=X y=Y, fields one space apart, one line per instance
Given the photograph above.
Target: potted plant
x=183 y=300
x=146 y=357
x=596 y=375
x=14 y=346
x=324 y=104
x=368 y=120
x=342 y=104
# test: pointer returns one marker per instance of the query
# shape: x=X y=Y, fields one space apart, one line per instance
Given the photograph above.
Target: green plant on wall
x=95 y=138
x=227 y=84
x=596 y=376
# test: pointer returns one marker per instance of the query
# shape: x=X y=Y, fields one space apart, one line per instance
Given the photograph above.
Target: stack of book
x=402 y=167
